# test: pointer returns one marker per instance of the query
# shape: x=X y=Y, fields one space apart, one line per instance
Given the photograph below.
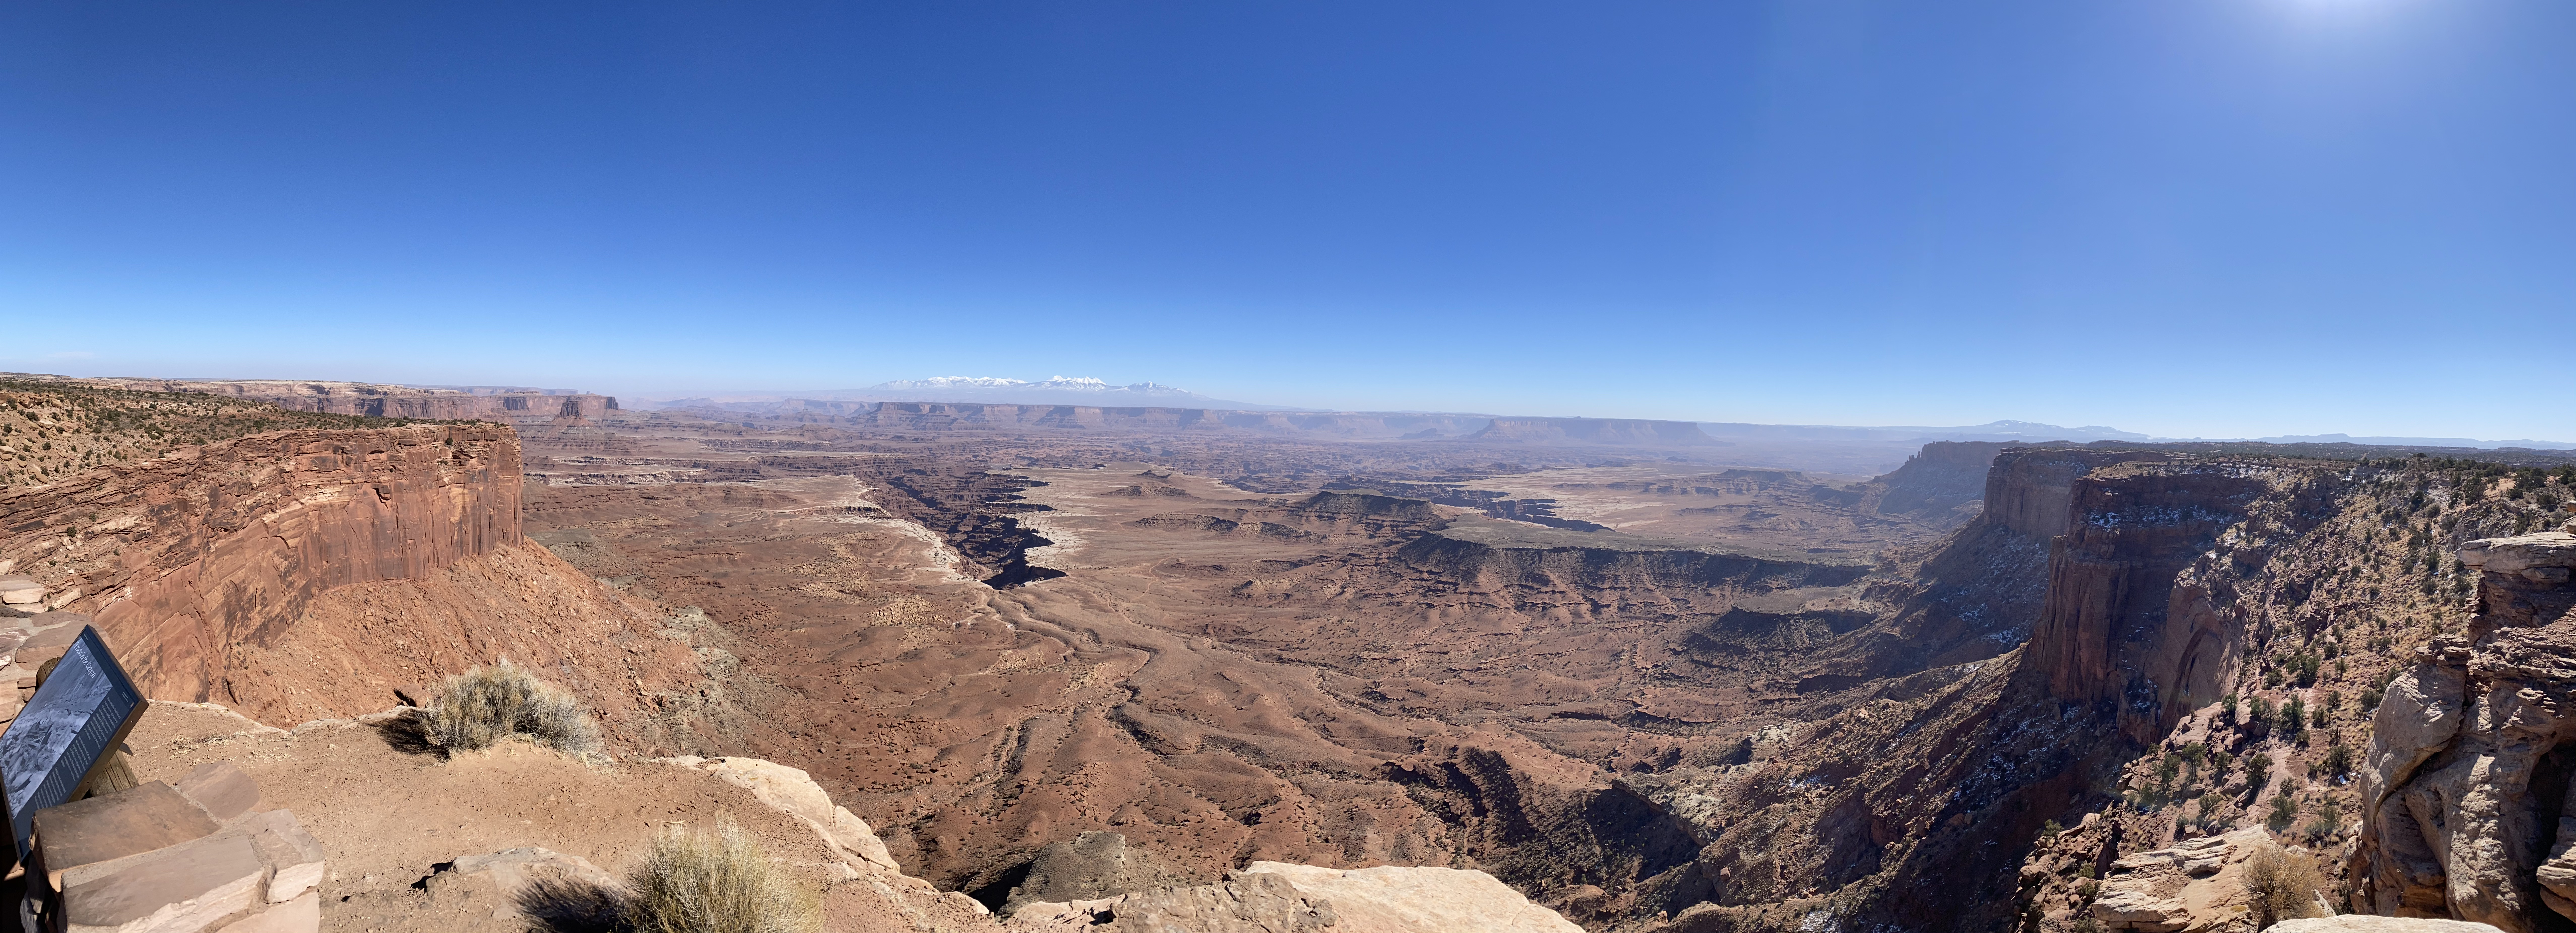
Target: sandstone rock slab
x=794 y=792
x=117 y=826
x=1392 y=899
x=221 y=789
x=2137 y=905
x=2364 y=923
x=1245 y=903
x=181 y=889
x=295 y=859
x=301 y=915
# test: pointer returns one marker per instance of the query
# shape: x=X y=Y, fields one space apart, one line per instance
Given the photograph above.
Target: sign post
x=58 y=743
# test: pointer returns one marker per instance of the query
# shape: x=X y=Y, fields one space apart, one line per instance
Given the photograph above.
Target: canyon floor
x=1336 y=654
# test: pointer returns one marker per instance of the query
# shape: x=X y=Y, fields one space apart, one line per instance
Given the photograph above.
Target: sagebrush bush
x=716 y=883
x=488 y=704
x=2284 y=884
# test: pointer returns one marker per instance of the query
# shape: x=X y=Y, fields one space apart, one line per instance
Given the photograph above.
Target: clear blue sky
x=2187 y=217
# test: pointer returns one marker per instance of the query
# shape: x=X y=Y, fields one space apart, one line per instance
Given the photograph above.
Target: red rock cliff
x=190 y=557
x=2111 y=633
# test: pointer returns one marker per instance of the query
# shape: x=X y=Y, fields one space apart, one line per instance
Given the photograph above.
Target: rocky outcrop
x=1094 y=865
x=185 y=559
x=1273 y=897
x=2473 y=755
x=2196 y=884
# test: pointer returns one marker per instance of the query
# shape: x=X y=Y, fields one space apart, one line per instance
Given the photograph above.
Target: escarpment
x=184 y=556
x=2109 y=636
x=2472 y=756
x=1499 y=556
x=311 y=573
x=503 y=405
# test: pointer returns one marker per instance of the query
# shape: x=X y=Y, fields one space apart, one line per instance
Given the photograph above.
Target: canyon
x=1645 y=683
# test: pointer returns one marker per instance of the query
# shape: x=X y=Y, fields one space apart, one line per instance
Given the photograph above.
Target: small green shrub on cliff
x=719 y=883
x=488 y=704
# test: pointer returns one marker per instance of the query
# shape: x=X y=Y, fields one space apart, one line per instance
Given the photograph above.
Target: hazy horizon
x=2196 y=219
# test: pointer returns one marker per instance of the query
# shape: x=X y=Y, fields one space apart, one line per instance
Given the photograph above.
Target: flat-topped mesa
x=2472 y=762
x=2031 y=489
x=188 y=558
x=1494 y=557
x=382 y=401
x=2111 y=633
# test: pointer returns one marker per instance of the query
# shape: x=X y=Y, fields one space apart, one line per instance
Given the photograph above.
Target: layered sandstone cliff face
x=2473 y=755
x=311 y=573
x=183 y=557
x=2112 y=635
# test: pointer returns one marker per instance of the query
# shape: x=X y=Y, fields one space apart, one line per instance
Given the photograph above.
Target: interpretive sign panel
x=84 y=709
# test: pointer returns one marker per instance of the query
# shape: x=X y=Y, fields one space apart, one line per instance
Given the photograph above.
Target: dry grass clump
x=488 y=704
x=720 y=883
x=2284 y=884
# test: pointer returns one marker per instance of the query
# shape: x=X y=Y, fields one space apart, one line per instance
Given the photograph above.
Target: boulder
x=2452 y=803
x=2419 y=716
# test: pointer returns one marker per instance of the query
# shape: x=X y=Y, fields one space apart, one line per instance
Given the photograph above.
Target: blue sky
x=2186 y=217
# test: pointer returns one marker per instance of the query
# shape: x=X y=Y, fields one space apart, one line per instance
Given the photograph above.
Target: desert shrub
x=2285 y=808
x=2283 y=884
x=716 y=883
x=2337 y=761
x=488 y=704
x=2329 y=820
